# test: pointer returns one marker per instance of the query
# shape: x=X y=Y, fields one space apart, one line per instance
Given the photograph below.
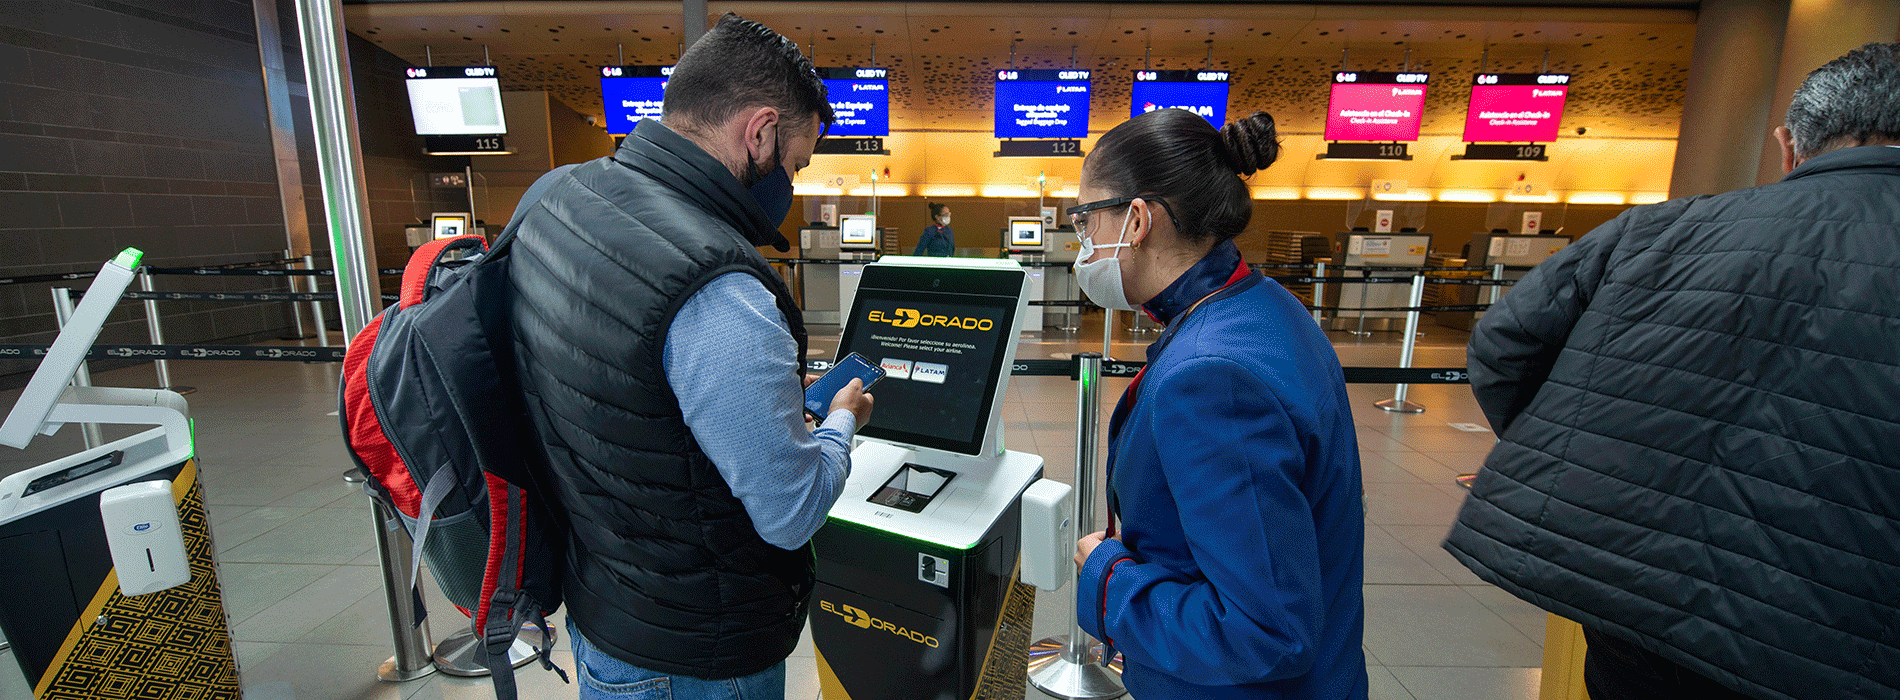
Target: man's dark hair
x=738 y=64
x=936 y=209
x=1850 y=100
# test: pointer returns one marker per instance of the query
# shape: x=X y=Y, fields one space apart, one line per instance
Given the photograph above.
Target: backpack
x=434 y=418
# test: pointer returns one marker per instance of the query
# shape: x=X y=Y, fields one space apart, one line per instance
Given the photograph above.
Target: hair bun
x=1252 y=143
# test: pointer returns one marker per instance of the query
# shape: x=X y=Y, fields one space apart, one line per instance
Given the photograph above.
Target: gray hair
x=1848 y=101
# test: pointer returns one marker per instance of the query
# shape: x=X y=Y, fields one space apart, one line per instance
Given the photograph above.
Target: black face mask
x=771 y=185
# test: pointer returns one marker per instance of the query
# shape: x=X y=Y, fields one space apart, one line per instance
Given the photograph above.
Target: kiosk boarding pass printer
x=923 y=581
x=108 y=552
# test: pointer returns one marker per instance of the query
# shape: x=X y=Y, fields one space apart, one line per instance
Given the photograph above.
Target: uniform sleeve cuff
x=1091 y=584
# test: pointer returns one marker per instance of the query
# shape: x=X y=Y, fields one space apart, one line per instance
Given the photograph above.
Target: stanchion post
x=1075 y=674
x=413 y=657
x=1398 y=404
x=152 y=326
x=1319 y=293
x=63 y=312
x=1108 y=330
x=296 y=314
x=1497 y=275
x=1363 y=274
x=316 y=307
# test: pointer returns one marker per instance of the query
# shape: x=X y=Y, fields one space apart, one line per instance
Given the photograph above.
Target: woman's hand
x=1086 y=546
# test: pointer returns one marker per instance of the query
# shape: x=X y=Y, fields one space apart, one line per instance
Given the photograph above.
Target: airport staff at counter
x=938 y=240
x=1233 y=468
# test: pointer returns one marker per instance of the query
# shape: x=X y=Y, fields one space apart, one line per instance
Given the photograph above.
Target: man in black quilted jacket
x=1699 y=454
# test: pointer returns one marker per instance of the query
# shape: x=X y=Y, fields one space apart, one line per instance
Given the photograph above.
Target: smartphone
x=818 y=396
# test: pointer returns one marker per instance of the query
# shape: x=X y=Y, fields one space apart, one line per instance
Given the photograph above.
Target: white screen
x=857 y=230
x=1025 y=232
x=456 y=106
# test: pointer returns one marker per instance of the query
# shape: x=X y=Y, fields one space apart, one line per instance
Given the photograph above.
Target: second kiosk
x=918 y=594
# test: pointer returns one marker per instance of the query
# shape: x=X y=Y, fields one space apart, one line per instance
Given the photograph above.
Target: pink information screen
x=1371 y=106
x=1515 y=107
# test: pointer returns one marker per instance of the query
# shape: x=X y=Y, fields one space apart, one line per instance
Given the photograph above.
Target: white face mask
x=943 y=221
x=1101 y=280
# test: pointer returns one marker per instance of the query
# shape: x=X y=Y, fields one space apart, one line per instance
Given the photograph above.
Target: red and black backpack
x=434 y=417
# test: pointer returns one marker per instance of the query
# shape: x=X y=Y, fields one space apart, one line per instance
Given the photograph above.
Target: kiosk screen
x=942 y=351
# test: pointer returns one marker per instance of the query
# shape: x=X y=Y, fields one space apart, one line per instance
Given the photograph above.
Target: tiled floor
x=304 y=593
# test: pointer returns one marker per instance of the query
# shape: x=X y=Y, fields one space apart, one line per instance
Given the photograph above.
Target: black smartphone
x=818 y=396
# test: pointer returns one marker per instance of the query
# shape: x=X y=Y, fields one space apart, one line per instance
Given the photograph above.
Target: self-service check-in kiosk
x=857 y=245
x=1025 y=245
x=108 y=552
x=918 y=594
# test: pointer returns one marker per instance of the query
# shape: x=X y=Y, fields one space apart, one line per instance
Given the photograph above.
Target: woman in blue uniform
x=938 y=240
x=1234 y=556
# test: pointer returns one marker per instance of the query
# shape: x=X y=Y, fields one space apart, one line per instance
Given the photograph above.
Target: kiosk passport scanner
x=918 y=595
x=90 y=543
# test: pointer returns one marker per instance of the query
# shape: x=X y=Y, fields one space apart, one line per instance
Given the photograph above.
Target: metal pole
x=406 y=614
x=1319 y=294
x=1497 y=275
x=1362 y=303
x=339 y=158
x=316 y=307
x=1398 y=404
x=693 y=17
x=1108 y=329
x=1075 y=673
x=63 y=312
x=158 y=337
x=296 y=314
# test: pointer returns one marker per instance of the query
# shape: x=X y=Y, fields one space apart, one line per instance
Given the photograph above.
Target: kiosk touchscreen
x=1025 y=233
x=918 y=595
x=857 y=232
x=93 y=602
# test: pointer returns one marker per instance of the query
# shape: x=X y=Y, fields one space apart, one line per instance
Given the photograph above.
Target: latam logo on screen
x=1515 y=107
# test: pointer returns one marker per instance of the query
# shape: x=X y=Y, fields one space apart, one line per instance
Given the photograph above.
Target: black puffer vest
x=665 y=569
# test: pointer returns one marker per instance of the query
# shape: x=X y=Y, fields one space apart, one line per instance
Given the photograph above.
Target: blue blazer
x=1235 y=470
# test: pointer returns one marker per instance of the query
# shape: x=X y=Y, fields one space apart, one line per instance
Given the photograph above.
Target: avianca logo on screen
x=911 y=318
x=862 y=620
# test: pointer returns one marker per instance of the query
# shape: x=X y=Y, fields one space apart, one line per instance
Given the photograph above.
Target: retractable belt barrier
x=1022 y=368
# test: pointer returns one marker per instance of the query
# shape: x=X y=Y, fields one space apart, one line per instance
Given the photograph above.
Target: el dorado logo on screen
x=912 y=318
x=862 y=620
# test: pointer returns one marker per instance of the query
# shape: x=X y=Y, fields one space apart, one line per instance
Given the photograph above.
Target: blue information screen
x=861 y=100
x=1200 y=92
x=632 y=93
x=1042 y=104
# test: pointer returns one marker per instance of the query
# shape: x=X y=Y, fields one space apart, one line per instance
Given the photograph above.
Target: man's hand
x=1086 y=546
x=853 y=398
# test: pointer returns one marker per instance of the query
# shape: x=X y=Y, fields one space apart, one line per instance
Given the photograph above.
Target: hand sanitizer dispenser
x=148 y=549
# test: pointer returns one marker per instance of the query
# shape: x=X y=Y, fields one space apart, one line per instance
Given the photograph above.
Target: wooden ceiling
x=1630 y=64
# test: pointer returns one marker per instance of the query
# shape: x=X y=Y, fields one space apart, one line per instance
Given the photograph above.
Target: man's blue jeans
x=603 y=677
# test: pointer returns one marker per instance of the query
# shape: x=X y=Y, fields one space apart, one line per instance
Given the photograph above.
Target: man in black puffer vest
x=1698 y=454
x=661 y=360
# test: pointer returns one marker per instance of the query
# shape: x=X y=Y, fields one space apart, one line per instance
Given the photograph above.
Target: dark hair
x=1849 y=100
x=738 y=64
x=936 y=209
x=1174 y=154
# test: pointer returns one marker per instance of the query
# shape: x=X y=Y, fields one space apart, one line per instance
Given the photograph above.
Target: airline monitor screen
x=632 y=93
x=455 y=100
x=1201 y=92
x=857 y=230
x=1369 y=106
x=942 y=351
x=861 y=100
x=1515 y=107
x=1025 y=231
x=1042 y=104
